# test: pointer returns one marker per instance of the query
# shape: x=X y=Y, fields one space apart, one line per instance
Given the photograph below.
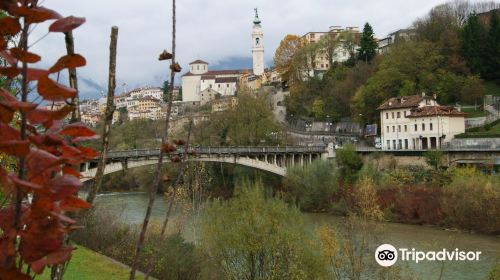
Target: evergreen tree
x=166 y=90
x=492 y=63
x=368 y=45
x=473 y=39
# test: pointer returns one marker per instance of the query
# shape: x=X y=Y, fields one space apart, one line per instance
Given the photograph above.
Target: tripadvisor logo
x=387 y=255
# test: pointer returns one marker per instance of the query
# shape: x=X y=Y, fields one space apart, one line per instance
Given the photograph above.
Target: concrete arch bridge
x=271 y=159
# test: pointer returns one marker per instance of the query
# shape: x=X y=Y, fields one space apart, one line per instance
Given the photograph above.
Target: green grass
x=491 y=88
x=471 y=113
x=89 y=265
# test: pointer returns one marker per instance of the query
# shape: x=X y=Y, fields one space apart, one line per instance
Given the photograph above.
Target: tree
x=283 y=57
x=312 y=188
x=350 y=163
x=368 y=46
x=166 y=90
x=250 y=122
x=331 y=44
x=318 y=108
x=254 y=237
x=492 y=67
x=473 y=38
x=434 y=158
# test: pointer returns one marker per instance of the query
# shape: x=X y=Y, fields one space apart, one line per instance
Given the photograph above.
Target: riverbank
x=86 y=264
x=130 y=209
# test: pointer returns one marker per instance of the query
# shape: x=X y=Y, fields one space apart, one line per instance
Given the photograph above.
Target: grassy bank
x=89 y=265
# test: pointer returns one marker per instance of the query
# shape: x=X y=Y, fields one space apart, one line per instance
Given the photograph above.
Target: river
x=132 y=207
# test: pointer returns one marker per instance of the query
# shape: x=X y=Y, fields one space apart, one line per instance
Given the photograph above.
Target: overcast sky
x=212 y=30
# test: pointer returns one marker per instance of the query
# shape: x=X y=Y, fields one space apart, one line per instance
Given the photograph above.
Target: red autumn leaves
x=45 y=149
x=171 y=148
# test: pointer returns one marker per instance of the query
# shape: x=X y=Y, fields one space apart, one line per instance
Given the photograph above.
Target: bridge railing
x=220 y=150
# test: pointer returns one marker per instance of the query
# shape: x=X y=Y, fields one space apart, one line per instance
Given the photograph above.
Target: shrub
x=254 y=237
x=350 y=163
x=472 y=201
x=312 y=187
x=104 y=233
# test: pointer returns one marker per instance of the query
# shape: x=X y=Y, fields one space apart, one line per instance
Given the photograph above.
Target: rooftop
x=198 y=61
x=428 y=111
x=409 y=101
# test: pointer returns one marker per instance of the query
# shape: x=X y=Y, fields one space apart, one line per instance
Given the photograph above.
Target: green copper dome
x=256 y=20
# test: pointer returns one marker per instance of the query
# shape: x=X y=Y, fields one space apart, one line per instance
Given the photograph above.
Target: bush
x=177 y=259
x=350 y=163
x=254 y=237
x=472 y=201
x=313 y=187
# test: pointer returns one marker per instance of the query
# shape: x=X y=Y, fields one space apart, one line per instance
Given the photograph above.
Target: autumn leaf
x=8 y=133
x=68 y=61
x=176 y=67
x=66 y=24
x=68 y=170
x=10 y=26
x=73 y=203
x=35 y=14
x=44 y=235
x=58 y=257
x=5 y=54
x=53 y=91
x=168 y=148
x=165 y=56
x=13 y=274
x=41 y=164
x=23 y=184
x=18 y=148
x=24 y=56
x=63 y=186
x=175 y=159
x=77 y=130
x=6 y=113
x=35 y=74
x=10 y=72
x=42 y=116
x=180 y=142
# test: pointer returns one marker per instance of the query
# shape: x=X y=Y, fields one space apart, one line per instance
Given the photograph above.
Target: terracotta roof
x=208 y=77
x=226 y=80
x=409 y=101
x=428 y=111
x=198 y=62
x=221 y=72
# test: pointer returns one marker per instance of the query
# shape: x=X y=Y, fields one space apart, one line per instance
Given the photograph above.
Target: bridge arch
x=275 y=160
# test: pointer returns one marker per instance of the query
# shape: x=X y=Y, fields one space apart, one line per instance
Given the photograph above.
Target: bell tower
x=257 y=46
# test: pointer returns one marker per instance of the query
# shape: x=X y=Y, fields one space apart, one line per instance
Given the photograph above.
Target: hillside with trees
x=452 y=52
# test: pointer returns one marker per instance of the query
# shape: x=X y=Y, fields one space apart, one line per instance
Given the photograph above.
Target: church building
x=201 y=85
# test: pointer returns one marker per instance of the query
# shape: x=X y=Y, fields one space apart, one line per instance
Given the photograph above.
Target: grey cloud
x=211 y=30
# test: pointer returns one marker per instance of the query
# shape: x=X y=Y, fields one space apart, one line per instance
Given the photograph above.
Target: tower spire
x=256 y=20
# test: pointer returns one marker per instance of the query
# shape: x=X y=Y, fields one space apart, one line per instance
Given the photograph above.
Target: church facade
x=201 y=85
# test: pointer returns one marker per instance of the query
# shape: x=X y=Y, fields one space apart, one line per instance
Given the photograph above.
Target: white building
x=418 y=122
x=257 y=46
x=384 y=44
x=221 y=82
x=152 y=92
x=341 y=52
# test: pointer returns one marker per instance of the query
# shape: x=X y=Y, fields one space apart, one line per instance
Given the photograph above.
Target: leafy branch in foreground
x=34 y=223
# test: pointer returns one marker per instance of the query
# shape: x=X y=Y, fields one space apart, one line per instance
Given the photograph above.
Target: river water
x=132 y=207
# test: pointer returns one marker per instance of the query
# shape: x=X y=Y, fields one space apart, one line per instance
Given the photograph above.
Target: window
x=399 y=115
x=386 y=116
x=405 y=114
x=394 y=145
x=322 y=65
x=415 y=127
x=387 y=129
x=430 y=126
x=227 y=85
x=393 y=129
x=400 y=144
x=388 y=144
x=197 y=67
x=399 y=128
x=326 y=65
x=406 y=128
x=406 y=144
x=219 y=85
x=423 y=127
x=393 y=115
